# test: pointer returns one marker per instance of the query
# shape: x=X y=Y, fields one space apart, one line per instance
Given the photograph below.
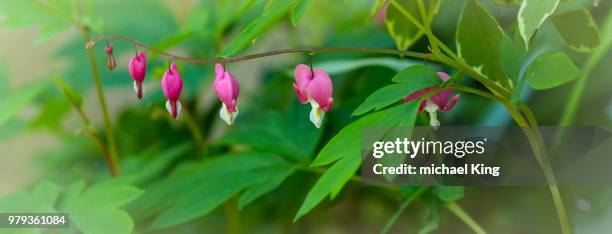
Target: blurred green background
x=42 y=139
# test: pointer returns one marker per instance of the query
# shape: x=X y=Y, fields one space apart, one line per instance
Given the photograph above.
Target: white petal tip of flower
x=316 y=116
x=227 y=116
x=179 y=108
x=433 y=120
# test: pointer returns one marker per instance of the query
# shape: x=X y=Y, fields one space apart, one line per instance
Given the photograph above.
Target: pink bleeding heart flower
x=315 y=88
x=138 y=68
x=172 y=85
x=110 y=63
x=227 y=89
x=439 y=101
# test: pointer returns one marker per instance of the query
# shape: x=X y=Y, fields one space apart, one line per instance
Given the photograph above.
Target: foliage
x=272 y=163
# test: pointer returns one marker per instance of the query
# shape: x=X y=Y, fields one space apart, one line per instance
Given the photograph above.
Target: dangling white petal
x=168 y=106
x=135 y=87
x=179 y=108
x=316 y=116
x=433 y=120
x=227 y=116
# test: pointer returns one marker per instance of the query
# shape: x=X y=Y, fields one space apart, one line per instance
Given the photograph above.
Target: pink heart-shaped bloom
x=172 y=85
x=137 y=69
x=227 y=87
x=316 y=86
x=440 y=99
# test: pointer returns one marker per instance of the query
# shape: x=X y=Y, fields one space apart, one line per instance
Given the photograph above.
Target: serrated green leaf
x=403 y=32
x=345 y=150
x=298 y=11
x=274 y=12
x=449 y=193
x=413 y=79
x=512 y=55
x=532 y=14
x=198 y=188
x=578 y=29
x=96 y=210
x=12 y=105
x=478 y=41
x=550 y=70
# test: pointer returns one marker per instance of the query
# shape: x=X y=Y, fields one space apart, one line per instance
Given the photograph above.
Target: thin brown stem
x=413 y=54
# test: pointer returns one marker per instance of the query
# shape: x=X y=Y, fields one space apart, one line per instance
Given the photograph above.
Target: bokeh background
x=41 y=140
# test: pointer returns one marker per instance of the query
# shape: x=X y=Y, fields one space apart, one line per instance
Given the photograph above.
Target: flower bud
x=227 y=89
x=172 y=85
x=315 y=88
x=110 y=63
x=138 y=68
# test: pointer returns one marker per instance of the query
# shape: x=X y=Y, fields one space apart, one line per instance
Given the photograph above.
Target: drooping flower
x=138 y=68
x=439 y=101
x=172 y=85
x=316 y=88
x=227 y=89
x=110 y=63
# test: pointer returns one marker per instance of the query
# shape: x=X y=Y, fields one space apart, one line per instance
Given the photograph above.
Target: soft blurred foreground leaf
x=578 y=29
x=478 y=41
x=345 y=150
x=298 y=11
x=550 y=70
x=93 y=210
x=96 y=209
x=12 y=104
x=532 y=14
x=412 y=79
x=274 y=12
x=449 y=193
x=198 y=188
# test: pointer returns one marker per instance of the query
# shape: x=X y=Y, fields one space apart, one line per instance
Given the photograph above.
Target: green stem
x=401 y=209
x=413 y=54
x=465 y=217
x=193 y=127
x=112 y=159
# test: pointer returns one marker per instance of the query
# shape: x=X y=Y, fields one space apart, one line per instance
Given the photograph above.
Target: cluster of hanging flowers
x=312 y=87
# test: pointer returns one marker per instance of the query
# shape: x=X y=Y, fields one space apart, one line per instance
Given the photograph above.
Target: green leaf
x=12 y=105
x=413 y=79
x=332 y=180
x=41 y=198
x=298 y=11
x=97 y=209
x=507 y=2
x=289 y=134
x=532 y=14
x=339 y=66
x=550 y=70
x=274 y=12
x=401 y=29
x=512 y=55
x=578 y=29
x=478 y=41
x=433 y=216
x=74 y=97
x=345 y=150
x=198 y=188
x=376 y=7
x=449 y=193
